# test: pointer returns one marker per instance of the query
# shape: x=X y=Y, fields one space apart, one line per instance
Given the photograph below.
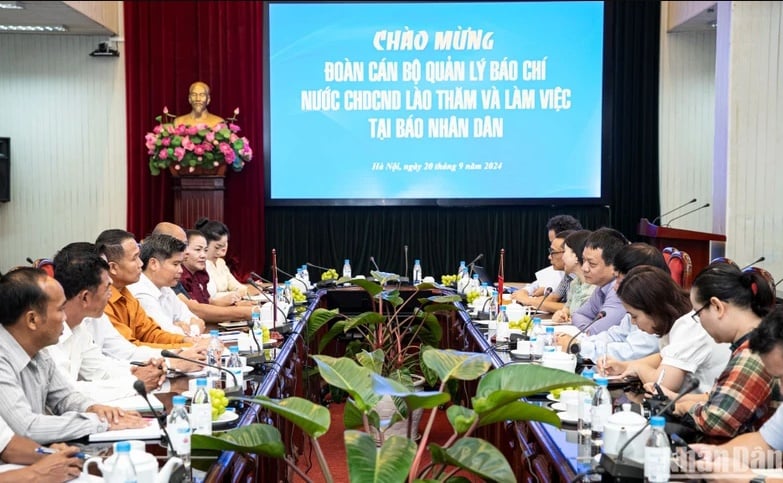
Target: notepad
x=151 y=431
x=137 y=403
x=83 y=477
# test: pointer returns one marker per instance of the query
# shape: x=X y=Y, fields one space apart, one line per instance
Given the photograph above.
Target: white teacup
x=569 y=396
x=572 y=409
x=523 y=347
x=503 y=332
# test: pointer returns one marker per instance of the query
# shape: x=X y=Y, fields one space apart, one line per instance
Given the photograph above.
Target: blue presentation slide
x=407 y=101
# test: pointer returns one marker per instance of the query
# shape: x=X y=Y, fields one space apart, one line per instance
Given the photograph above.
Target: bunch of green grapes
x=330 y=274
x=448 y=280
x=219 y=402
x=556 y=392
x=297 y=294
x=472 y=295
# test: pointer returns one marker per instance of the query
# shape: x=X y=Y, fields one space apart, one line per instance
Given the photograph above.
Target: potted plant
x=497 y=398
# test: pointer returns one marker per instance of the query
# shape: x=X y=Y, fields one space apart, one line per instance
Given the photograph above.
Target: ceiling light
x=33 y=28
x=11 y=6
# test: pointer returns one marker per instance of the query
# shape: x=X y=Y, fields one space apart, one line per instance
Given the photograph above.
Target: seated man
x=554 y=225
x=85 y=280
x=161 y=256
x=600 y=249
x=126 y=314
x=36 y=400
x=56 y=468
x=557 y=298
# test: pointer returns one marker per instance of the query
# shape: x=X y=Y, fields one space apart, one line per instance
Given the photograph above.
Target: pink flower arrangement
x=190 y=147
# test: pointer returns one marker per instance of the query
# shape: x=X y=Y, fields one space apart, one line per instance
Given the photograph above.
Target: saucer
x=520 y=355
x=225 y=418
x=559 y=406
x=567 y=418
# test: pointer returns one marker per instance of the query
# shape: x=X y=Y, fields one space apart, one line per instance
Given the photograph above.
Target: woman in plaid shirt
x=729 y=303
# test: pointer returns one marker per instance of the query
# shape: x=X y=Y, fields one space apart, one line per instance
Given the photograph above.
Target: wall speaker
x=5 y=169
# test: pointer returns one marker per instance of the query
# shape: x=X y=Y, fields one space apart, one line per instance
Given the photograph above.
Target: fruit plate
x=225 y=419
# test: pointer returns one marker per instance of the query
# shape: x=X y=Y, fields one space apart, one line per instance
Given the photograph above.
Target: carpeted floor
x=333 y=446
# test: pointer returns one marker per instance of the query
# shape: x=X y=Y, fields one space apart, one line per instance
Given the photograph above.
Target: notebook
x=151 y=431
x=137 y=403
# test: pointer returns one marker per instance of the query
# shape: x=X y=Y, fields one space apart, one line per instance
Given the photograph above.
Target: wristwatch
x=758 y=479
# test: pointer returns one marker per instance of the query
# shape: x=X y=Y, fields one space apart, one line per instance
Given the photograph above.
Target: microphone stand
x=172 y=355
x=547 y=293
x=673 y=210
x=501 y=276
x=274 y=289
x=620 y=469
x=142 y=390
x=705 y=205
x=576 y=348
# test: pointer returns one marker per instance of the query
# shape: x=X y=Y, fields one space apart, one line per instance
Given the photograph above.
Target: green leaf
x=370 y=319
x=369 y=464
x=352 y=417
x=373 y=288
x=311 y=418
x=334 y=331
x=520 y=411
x=254 y=438
x=461 y=418
x=350 y=377
x=448 y=364
x=318 y=318
x=514 y=381
x=371 y=360
x=477 y=456
x=413 y=399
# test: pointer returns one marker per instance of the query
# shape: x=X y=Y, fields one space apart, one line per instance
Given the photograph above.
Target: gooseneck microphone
x=758 y=260
x=575 y=348
x=406 y=261
x=278 y=269
x=621 y=470
x=476 y=260
x=259 y=277
x=547 y=292
x=372 y=260
x=168 y=353
x=705 y=205
x=673 y=210
x=142 y=390
x=253 y=284
x=313 y=265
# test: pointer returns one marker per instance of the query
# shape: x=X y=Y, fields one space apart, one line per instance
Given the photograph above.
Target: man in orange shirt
x=126 y=314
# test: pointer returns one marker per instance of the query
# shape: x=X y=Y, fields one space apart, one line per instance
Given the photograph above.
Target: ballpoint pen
x=660 y=377
x=44 y=450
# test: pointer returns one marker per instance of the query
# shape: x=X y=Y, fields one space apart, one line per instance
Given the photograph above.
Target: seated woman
x=729 y=303
x=658 y=306
x=222 y=286
x=579 y=290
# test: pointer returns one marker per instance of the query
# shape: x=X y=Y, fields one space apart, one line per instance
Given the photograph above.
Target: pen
x=660 y=376
x=139 y=363
x=43 y=450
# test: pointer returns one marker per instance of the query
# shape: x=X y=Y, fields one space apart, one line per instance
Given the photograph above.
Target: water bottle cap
x=602 y=381
x=588 y=373
x=462 y=263
x=475 y=276
x=536 y=320
x=549 y=349
x=550 y=330
x=416 y=262
x=657 y=421
x=123 y=447
x=484 y=284
x=179 y=400
x=288 y=282
x=502 y=308
x=214 y=333
x=347 y=261
x=234 y=349
x=304 y=267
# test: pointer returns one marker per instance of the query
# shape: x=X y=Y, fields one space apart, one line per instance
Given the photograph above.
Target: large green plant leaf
x=364 y=319
x=337 y=329
x=451 y=364
x=311 y=418
x=369 y=464
x=318 y=318
x=352 y=417
x=461 y=418
x=514 y=381
x=350 y=377
x=371 y=287
x=371 y=360
x=477 y=456
x=520 y=411
x=254 y=438
x=413 y=399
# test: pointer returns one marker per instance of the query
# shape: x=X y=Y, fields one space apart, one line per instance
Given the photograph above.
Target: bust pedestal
x=198 y=194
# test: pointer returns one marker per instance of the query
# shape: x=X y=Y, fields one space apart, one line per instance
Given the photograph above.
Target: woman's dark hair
x=213 y=230
x=769 y=333
x=747 y=289
x=576 y=242
x=636 y=254
x=653 y=291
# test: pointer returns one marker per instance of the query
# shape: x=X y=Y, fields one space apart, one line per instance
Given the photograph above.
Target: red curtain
x=168 y=46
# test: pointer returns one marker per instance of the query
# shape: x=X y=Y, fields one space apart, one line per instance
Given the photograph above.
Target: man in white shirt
x=36 y=400
x=55 y=468
x=84 y=276
x=161 y=256
x=552 y=274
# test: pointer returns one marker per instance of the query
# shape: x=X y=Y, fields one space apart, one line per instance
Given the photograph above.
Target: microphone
x=372 y=260
x=705 y=205
x=139 y=387
x=168 y=353
x=259 y=277
x=284 y=273
x=313 y=265
x=255 y=339
x=547 y=292
x=672 y=211
x=475 y=260
x=758 y=260
x=253 y=284
x=624 y=470
x=406 y=262
x=574 y=348
x=30 y=261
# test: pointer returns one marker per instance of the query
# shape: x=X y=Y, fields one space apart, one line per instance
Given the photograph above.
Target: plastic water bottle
x=179 y=431
x=201 y=409
x=600 y=411
x=416 y=272
x=463 y=277
x=484 y=289
x=549 y=339
x=299 y=274
x=657 y=452
x=493 y=305
x=537 y=340
x=306 y=275
x=288 y=292
x=502 y=332
x=347 y=268
x=584 y=429
x=214 y=354
x=234 y=365
x=123 y=470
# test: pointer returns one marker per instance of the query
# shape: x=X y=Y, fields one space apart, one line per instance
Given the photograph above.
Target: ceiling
x=52 y=13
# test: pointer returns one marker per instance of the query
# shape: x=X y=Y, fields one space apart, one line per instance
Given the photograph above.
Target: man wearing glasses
x=555 y=300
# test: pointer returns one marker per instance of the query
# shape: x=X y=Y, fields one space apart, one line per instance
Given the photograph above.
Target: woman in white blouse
x=657 y=305
x=223 y=287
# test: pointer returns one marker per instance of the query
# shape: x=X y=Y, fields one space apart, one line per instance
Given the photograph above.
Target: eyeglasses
x=552 y=251
x=695 y=315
